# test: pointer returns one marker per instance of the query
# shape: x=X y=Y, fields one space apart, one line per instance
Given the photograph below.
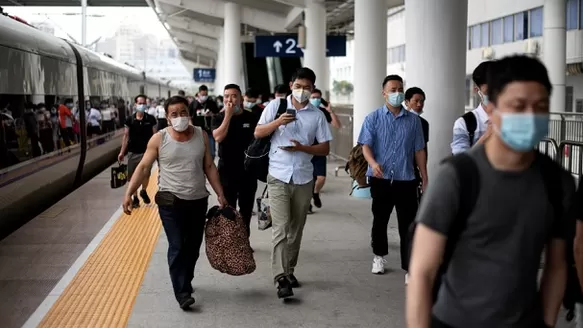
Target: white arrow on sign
x=277 y=45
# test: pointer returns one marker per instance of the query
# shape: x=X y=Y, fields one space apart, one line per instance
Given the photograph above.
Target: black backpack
x=468 y=175
x=471 y=125
x=257 y=154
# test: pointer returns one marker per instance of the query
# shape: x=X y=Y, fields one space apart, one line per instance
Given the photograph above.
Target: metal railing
x=563 y=143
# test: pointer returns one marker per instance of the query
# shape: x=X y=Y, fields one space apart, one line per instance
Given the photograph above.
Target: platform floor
x=50 y=271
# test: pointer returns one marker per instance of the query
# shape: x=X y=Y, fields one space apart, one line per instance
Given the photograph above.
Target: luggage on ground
x=119 y=176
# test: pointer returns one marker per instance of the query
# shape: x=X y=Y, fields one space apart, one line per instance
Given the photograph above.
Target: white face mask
x=179 y=124
x=301 y=95
x=202 y=98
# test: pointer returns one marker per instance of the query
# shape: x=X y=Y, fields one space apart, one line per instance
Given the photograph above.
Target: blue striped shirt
x=394 y=141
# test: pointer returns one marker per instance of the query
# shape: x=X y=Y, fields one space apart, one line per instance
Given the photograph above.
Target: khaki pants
x=289 y=204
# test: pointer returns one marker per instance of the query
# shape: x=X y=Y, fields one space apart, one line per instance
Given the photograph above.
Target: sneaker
x=406 y=279
x=378 y=265
x=144 y=195
x=317 y=200
x=284 y=289
x=136 y=202
x=186 y=302
x=293 y=281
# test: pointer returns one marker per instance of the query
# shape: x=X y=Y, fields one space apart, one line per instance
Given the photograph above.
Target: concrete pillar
x=220 y=66
x=370 y=53
x=232 y=54
x=555 y=50
x=315 y=49
x=429 y=25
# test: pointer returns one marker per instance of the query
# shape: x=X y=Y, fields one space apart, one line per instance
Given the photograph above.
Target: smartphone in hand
x=291 y=112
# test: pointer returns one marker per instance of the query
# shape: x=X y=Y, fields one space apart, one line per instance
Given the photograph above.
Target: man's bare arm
x=553 y=280
x=145 y=165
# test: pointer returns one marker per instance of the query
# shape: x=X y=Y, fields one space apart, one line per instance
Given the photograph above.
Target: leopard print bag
x=227 y=244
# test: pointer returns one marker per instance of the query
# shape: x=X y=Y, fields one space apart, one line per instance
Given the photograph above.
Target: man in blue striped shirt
x=392 y=140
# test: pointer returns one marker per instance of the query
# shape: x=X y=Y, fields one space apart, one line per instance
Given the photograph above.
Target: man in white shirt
x=290 y=180
x=470 y=127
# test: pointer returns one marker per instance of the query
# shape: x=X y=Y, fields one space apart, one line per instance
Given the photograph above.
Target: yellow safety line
x=103 y=292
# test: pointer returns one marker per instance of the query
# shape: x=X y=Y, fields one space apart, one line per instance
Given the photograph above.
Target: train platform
x=83 y=263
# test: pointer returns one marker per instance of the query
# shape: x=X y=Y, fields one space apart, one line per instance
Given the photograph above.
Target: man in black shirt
x=139 y=128
x=201 y=110
x=415 y=100
x=233 y=129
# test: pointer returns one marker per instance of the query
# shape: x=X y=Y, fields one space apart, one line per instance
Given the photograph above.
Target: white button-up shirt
x=310 y=125
x=461 y=138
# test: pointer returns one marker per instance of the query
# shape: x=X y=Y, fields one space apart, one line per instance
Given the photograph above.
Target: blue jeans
x=184 y=226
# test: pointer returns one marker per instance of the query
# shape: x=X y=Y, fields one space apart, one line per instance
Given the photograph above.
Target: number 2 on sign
x=291 y=43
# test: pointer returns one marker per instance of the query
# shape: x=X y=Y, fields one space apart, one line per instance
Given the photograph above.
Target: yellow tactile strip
x=103 y=292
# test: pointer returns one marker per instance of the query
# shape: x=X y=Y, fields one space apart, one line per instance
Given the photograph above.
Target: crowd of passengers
x=471 y=241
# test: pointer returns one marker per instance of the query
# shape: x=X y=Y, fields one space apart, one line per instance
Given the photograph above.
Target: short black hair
x=175 y=100
x=219 y=97
x=281 y=88
x=413 y=91
x=140 y=96
x=203 y=88
x=252 y=93
x=479 y=74
x=517 y=68
x=304 y=73
x=232 y=86
x=67 y=101
x=392 y=77
x=181 y=93
x=318 y=91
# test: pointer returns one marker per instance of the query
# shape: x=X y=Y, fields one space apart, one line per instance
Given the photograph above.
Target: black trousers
x=387 y=194
x=184 y=226
x=239 y=188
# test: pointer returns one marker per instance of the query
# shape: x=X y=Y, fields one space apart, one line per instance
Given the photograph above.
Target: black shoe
x=293 y=281
x=284 y=289
x=310 y=210
x=317 y=200
x=186 y=302
x=136 y=202
x=144 y=195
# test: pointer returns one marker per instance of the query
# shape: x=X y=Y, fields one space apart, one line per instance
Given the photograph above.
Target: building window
x=497 y=37
x=572 y=13
x=475 y=37
x=520 y=26
x=569 y=99
x=508 y=28
x=579 y=106
x=536 y=22
x=485 y=27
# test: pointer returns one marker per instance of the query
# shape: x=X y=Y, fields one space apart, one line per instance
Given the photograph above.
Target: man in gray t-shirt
x=491 y=279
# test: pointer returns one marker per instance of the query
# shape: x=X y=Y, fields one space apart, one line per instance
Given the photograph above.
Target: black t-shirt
x=140 y=132
x=197 y=112
x=328 y=119
x=239 y=136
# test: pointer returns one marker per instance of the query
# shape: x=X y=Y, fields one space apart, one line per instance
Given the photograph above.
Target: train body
x=37 y=68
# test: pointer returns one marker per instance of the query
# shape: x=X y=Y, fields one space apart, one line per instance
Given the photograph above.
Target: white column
x=84 y=23
x=435 y=53
x=555 y=50
x=370 y=58
x=233 y=55
x=315 y=49
x=220 y=84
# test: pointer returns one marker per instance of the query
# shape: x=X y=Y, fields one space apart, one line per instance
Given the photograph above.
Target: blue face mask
x=316 y=101
x=141 y=108
x=396 y=99
x=523 y=131
x=484 y=98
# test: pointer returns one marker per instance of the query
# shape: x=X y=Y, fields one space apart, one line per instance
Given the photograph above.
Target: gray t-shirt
x=492 y=276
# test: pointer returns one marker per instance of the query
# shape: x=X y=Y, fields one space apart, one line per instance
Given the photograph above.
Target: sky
x=67 y=20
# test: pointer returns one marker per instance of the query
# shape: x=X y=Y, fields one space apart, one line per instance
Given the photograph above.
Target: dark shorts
x=133 y=161
x=319 y=166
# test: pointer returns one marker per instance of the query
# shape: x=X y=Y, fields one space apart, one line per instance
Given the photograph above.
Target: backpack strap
x=469 y=188
x=552 y=180
x=282 y=107
x=471 y=125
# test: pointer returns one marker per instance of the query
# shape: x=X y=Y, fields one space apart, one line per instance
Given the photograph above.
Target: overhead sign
x=286 y=45
x=204 y=74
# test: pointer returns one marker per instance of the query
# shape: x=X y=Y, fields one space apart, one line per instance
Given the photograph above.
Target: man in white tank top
x=185 y=162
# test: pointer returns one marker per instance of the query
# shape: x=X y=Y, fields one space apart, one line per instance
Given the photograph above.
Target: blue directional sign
x=286 y=45
x=204 y=74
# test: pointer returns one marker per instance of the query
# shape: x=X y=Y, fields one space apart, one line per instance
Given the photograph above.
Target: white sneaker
x=378 y=265
x=406 y=279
